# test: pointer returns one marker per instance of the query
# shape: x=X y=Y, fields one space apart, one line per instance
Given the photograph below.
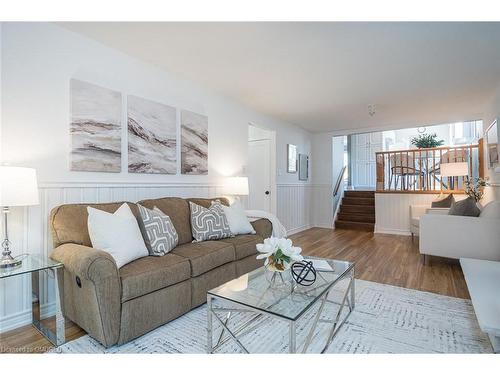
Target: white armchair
x=417 y=211
x=460 y=237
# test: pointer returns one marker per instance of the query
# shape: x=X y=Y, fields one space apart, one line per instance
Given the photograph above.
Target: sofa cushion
x=205 y=256
x=207 y=202
x=465 y=207
x=149 y=274
x=443 y=201
x=178 y=211
x=244 y=245
x=68 y=222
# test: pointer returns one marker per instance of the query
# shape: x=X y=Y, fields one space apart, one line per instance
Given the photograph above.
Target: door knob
x=267 y=192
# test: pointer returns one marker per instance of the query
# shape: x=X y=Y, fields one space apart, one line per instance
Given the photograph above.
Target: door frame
x=272 y=155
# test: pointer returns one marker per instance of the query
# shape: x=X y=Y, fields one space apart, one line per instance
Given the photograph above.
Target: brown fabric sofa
x=116 y=305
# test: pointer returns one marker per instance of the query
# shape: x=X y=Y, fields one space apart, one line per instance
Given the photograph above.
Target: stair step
x=357 y=217
x=341 y=224
x=359 y=201
x=359 y=194
x=346 y=208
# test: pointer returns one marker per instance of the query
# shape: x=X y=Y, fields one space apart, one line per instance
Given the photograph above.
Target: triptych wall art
x=152 y=137
x=194 y=139
x=96 y=129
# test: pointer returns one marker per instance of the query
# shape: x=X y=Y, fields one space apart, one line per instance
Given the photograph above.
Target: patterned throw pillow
x=209 y=223
x=159 y=232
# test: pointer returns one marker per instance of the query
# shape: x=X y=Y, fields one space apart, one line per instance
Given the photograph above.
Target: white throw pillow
x=117 y=234
x=491 y=210
x=238 y=220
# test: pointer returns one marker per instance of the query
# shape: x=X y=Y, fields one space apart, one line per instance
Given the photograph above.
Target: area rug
x=387 y=319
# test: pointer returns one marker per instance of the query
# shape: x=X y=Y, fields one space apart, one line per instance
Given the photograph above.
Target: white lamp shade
x=454 y=169
x=236 y=186
x=18 y=186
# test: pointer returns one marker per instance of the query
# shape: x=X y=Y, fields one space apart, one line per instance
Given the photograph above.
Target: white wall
x=37 y=62
x=322 y=177
x=492 y=111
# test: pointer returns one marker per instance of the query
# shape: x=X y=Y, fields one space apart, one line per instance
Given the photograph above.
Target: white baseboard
x=298 y=229
x=323 y=225
x=16 y=320
x=24 y=318
x=399 y=232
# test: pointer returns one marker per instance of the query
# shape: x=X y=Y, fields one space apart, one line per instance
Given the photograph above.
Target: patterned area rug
x=387 y=319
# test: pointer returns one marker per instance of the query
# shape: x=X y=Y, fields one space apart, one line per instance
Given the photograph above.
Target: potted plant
x=426 y=141
x=279 y=255
x=475 y=190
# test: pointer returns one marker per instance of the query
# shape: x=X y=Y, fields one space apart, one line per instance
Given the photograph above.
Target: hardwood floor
x=381 y=258
x=386 y=259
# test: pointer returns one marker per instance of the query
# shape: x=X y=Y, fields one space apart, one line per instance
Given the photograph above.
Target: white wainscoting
x=294 y=206
x=29 y=232
x=392 y=211
x=322 y=205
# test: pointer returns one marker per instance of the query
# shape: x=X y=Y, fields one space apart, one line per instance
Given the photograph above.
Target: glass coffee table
x=252 y=293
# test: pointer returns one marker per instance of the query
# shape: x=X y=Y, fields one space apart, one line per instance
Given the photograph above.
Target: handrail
x=419 y=170
x=339 y=180
x=469 y=145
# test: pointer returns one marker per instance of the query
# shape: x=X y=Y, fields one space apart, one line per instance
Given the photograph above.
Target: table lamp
x=455 y=169
x=18 y=187
x=236 y=186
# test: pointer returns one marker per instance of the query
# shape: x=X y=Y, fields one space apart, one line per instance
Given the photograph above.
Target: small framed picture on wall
x=292 y=159
x=491 y=137
x=303 y=167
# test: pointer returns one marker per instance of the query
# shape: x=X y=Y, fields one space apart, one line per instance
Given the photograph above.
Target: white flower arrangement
x=279 y=253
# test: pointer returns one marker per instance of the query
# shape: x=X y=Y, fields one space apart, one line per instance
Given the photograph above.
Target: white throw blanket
x=278 y=228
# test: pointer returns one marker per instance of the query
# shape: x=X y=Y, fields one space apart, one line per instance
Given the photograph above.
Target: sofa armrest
x=263 y=228
x=437 y=210
x=92 y=290
x=460 y=236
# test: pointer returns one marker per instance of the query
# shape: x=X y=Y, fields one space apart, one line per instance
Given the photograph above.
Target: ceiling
x=323 y=76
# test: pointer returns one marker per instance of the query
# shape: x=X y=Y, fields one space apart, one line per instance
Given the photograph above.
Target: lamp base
x=7 y=261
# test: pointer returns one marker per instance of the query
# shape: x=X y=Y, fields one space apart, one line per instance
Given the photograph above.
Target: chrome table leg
x=209 y=324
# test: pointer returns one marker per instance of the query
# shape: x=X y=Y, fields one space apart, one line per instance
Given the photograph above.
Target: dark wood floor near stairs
x=357 y=211
x=386 y=259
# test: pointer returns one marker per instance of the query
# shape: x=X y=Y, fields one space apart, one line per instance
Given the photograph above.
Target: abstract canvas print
x=95 y=128
x=152 y=137
x=194 y=138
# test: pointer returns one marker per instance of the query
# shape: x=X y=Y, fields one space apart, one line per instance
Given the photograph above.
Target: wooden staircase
x=357 y=211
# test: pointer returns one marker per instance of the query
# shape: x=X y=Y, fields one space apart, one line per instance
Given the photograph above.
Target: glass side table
x=50 y=327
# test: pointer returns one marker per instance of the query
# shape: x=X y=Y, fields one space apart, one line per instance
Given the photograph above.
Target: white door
x=363 y=158
x=259 y=175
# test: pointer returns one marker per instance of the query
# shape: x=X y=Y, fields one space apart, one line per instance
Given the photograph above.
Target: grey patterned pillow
x=209 y=223
x=159 y=233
